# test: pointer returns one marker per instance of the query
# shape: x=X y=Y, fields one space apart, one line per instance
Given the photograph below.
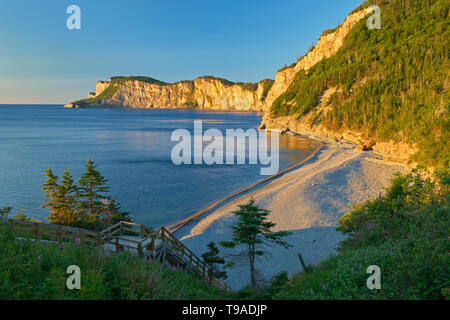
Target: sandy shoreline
x=306 y=201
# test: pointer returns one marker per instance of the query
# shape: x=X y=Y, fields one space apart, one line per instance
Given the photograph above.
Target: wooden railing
x=187 y=255
x=125 y=227
x=145 y=245
x=54 y=232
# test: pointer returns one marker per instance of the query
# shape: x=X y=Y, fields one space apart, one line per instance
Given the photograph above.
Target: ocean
x=132 y=149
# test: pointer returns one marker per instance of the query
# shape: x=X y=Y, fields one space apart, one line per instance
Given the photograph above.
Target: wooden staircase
x=160 y=245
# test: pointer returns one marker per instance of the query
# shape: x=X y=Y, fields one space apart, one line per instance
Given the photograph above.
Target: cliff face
x=327 y=46
x=100 y=87
x=201 y=93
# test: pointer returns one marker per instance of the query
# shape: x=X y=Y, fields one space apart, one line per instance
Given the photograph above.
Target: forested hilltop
x=387 y=84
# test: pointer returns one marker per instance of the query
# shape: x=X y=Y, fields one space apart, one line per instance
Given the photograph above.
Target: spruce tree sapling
x=212 y=259
x=251 y=230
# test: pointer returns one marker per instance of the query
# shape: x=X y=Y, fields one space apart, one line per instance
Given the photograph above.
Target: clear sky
x=41 y=61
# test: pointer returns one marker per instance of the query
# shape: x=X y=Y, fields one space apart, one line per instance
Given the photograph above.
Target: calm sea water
x=131 y=148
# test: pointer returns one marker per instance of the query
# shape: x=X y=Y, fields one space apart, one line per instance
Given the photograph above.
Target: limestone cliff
x=327 y=45
x=201 y=93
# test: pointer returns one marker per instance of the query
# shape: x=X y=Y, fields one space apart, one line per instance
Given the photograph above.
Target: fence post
x=36 y=231
x=152 y=243
x=141 y=252
x=117 y=245
x=99 y=239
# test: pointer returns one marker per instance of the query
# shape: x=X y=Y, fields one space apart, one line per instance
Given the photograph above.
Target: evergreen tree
x=85 y=205
x=253 y=229
x=91 y=187
x=113 y=213
x=4 y=213
x=67 y=200
x=212 y=258
x=51 y=189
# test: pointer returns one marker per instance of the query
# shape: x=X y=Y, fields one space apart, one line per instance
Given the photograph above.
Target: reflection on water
x=132 y=149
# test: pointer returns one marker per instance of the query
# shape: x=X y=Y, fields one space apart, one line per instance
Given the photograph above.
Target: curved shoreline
x=307 y=202
x=177 y=225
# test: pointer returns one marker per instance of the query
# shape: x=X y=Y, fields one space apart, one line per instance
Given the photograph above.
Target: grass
x=122 y=80
x=190 y=105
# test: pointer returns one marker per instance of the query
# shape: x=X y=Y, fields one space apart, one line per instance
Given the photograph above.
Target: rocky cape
x=206 y=93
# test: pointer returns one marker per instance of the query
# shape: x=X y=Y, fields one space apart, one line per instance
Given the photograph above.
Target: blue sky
x=41 y=61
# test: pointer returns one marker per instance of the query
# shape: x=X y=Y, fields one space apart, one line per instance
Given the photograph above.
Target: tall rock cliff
x=328 y=44
x=202 y=93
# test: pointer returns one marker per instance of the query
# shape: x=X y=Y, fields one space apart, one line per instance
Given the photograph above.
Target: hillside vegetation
x=404 y=233
x=392 y=82
x=30 y=270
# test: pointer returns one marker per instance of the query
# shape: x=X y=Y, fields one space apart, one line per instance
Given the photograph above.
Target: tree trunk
x=252 y=266
x=211 y=272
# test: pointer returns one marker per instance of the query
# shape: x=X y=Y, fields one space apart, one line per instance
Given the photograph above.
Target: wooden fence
x=54 y=232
